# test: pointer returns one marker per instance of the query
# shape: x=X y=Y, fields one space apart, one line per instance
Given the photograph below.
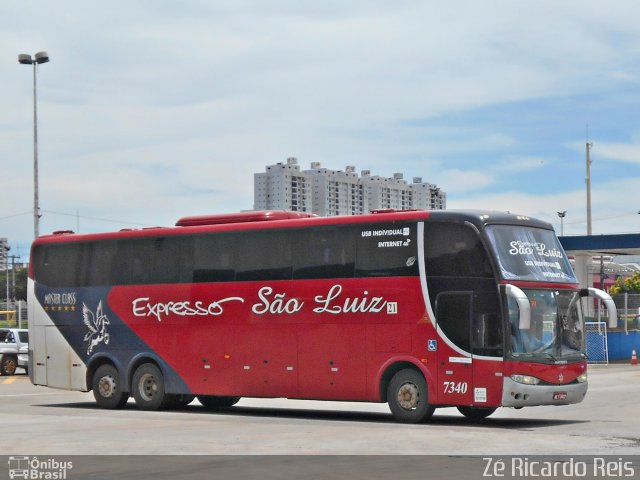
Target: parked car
x=14 y=350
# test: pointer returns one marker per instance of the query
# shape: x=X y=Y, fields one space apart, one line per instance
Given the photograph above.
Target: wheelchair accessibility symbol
x=432 y=345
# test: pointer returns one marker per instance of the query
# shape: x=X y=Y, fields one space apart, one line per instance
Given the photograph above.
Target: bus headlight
x=582 y=378
x=525 y=379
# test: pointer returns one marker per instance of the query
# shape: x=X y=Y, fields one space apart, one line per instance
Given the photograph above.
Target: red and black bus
x=420 y=309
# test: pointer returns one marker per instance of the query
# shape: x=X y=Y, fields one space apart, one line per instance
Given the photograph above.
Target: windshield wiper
x=533 y=355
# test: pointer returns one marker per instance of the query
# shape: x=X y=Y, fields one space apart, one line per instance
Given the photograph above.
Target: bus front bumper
x=520 y=395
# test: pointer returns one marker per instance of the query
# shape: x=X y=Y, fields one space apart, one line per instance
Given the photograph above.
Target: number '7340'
x=455 y=387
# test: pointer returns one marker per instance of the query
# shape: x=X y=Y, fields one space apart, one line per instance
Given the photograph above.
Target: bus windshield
x=556 y=327
x=530 y=254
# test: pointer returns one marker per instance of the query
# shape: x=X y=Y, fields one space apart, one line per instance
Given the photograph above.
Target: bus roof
x=258 y=220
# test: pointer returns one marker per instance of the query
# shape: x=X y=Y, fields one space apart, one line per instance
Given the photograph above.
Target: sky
x=151 y=111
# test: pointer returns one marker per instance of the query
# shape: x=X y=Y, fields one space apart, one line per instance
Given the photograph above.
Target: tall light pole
x=562 y=215
x=588 y=182
x=26 y=59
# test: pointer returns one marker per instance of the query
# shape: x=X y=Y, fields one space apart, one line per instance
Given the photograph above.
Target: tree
x=20 y=292
x=629 y=285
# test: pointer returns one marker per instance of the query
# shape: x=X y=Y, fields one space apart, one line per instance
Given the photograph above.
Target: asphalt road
x=42 y=421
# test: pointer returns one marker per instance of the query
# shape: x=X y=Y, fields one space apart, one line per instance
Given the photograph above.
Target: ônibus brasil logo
x=40 y=469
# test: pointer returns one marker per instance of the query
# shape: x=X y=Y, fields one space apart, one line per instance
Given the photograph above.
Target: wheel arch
x=103 y=359
x=393 y=366
x=141 y=359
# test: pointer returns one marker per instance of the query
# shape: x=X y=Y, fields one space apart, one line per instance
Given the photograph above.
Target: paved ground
x=38 y=421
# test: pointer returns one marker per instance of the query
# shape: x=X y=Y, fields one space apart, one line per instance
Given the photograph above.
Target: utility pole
x=13 y=277
x=6 y=271
x=588 y=182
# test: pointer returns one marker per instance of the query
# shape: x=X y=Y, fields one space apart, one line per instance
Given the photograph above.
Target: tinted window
x=214 y=258
x=321 y=252
x=327 y=252
x=104 y=267
x=453 y=311
x=471 y=320
x=454 y=250
x=386 y=250
x=264 y=255
x=159 y=259
x=59 y=265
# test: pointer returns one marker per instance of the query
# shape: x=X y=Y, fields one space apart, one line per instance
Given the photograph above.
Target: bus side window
x=324 y=253
x=214 y=258
x=263 y=255
x=387 y=256
x=58 y=265
x=453 y=311
x=101 y=259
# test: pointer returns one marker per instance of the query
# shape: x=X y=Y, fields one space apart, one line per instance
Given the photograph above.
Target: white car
x=14 y=350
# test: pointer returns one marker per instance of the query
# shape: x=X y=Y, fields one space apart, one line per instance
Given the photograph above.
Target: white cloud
x=611 y=210
x=622 y=152
x=463 y=181
x=168 y=110
x=519 y=164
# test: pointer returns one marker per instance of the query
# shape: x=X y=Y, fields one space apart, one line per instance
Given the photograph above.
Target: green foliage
x=20 y=292
x=629 y=285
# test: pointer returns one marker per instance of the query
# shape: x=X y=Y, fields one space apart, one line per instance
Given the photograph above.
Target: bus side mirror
x=607 y=300
x=524 y=306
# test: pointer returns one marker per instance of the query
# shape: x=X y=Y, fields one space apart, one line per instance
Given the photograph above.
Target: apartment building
x=328 y=192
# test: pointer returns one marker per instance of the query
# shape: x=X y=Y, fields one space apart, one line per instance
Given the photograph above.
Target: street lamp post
x=26 y=59
x=562 y=215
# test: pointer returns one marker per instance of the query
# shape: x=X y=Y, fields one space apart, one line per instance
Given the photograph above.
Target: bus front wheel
x=107 y=388
x=148 y=388
x=407 y=397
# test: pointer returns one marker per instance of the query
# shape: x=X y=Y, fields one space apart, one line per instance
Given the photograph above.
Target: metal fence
x=596 y=342
x=13 y=314
x=628 y=305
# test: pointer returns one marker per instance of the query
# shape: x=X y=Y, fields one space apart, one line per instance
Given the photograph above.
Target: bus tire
x=147 y=388
x=212 y=402
x=476 y=413
x=107 y=388
x=407 y=397
x=8 y=365
x=179 y=400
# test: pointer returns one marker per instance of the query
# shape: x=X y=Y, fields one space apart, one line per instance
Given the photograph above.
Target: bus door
x=455 y=369
x=472 y=322
x=487 y=349
x=62 y=364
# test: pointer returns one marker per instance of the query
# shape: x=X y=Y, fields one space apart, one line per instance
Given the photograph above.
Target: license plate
x=559 y=395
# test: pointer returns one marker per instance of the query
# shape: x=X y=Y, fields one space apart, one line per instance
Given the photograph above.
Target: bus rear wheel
x=107 y=388
x=179 y=400
x=148 y=388
x=407 y=397
x=476 y=413
x=212 y=402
